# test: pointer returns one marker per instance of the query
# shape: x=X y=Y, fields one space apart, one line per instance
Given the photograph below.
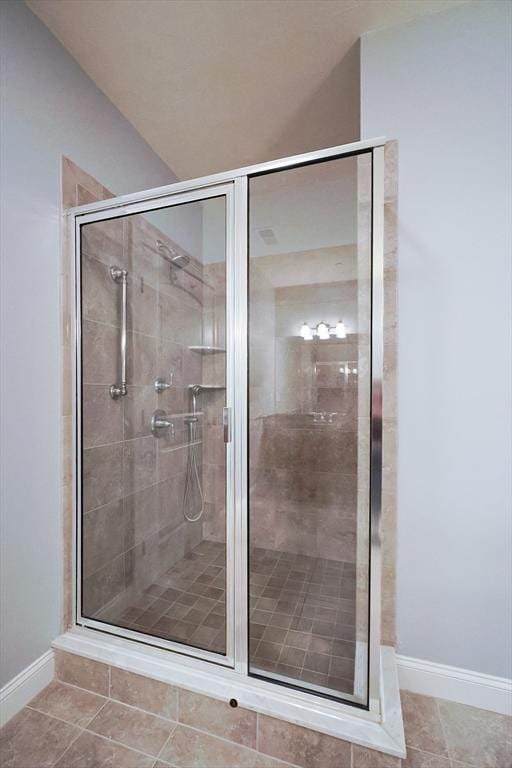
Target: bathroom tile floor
x=302 y=612
x=137 y=722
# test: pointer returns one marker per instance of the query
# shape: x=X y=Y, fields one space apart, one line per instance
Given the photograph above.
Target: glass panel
x=309 y=422
x=153 y=481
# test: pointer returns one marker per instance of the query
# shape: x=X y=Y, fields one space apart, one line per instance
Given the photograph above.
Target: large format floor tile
x=34 y=740
x=67 y=727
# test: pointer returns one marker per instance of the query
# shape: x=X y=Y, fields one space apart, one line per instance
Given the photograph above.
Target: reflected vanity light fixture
x=323 y=331
x=306 y=332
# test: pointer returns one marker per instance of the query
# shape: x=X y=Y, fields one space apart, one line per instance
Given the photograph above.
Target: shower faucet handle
x=161 y=385
x=160 y=423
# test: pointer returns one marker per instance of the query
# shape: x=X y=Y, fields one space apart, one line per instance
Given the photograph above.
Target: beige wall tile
x=82 y=672
x=102 y=416
x=138 y=406
x=102 y=539
x=143 y=692
x=141 y=306
x=102 y=475
x=104 y=241
x=141 y=356
x=67 y=531
x=141 y=515
x=139 y=464
x=99 y=353
x=100 y=294
x=67 y=450
x=103 y=585
x=218 y=717
x=67 y=381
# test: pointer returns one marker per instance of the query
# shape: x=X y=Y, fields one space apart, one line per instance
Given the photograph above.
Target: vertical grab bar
x=119 y=275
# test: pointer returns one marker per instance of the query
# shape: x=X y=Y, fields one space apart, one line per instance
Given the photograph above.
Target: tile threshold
x=342 y=721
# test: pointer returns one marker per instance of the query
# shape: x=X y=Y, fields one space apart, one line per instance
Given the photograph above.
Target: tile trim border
x=17 y=693
x=455 y=684
x=331 y=718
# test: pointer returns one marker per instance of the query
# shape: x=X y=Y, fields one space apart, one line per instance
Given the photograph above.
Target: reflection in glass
x=309 y=418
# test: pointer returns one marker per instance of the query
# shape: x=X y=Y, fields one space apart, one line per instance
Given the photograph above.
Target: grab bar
x=119 y=275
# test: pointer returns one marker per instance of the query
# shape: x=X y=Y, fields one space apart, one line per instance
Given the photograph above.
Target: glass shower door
x=309 y=410
x=154 y=373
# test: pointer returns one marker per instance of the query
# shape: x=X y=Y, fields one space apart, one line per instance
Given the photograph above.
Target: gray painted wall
x=441 y=85
x=49 y=107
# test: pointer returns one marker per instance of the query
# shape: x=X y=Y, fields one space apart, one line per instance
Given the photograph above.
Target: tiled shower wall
x=132 y=482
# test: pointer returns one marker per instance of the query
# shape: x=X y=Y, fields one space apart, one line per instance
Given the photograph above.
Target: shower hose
x=192 y=475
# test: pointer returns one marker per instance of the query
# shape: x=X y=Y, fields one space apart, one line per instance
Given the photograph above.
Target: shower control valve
x=161 y=385
x=160 y=424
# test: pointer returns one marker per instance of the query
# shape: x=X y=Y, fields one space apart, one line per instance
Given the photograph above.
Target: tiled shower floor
x=302 y=612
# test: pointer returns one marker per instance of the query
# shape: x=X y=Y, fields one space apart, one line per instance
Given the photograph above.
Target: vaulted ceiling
x=216 y=84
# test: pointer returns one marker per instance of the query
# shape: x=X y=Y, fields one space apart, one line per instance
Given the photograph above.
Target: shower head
x=175 y=259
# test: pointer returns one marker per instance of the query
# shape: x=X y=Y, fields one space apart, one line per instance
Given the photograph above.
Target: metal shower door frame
x=196 y=195
x=237 y=311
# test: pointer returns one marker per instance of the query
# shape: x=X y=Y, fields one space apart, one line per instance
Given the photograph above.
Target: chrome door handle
x=226 y=423
x=160 y=422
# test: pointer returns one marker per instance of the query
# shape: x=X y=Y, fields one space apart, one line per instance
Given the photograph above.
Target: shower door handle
x=226 y=423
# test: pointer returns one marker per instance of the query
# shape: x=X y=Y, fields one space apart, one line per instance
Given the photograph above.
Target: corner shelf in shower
x=206 y=350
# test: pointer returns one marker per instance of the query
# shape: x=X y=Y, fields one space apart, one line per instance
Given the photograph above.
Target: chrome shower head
x=175 y=258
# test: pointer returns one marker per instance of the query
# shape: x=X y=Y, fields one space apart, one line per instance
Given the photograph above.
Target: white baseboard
x=27 y=684
x=461 y=685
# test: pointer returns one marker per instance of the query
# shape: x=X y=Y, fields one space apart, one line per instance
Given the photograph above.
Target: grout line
x=166 y=742
x=80 y=732
x=120 y=744
x=447 y=746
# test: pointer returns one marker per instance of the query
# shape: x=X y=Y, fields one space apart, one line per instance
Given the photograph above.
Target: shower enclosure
x=228 y=422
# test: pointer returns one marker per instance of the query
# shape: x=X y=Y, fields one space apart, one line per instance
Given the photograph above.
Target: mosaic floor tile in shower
x=187 y=603
x=302 y=619
x=302 y=612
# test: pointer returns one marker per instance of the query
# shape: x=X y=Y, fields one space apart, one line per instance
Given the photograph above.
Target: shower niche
x=228 y=424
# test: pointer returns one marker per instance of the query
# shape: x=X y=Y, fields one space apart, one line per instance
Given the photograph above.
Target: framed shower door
x=155 y=388
x=228 y=425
